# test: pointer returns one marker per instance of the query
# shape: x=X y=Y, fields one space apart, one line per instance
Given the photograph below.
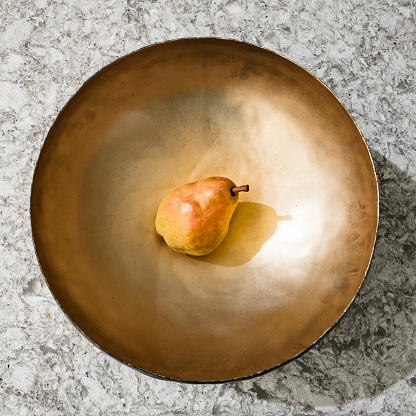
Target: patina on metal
x=300 y=241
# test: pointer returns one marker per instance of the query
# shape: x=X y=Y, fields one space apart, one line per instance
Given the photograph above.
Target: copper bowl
x=300 y=241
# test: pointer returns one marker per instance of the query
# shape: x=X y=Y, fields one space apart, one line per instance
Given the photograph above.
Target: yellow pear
x=194 y=218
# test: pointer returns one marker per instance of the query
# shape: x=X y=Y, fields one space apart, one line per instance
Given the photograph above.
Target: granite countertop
x=365 y=51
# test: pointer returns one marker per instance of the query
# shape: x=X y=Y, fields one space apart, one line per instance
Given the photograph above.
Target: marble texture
x=365 y=51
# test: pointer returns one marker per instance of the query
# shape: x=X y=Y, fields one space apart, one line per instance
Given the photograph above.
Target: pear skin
x=194 y=218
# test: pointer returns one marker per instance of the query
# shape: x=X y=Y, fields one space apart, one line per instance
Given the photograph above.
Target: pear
x=194 y=218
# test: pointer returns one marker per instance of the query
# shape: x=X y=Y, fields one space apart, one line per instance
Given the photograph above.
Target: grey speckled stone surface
x=365 y=51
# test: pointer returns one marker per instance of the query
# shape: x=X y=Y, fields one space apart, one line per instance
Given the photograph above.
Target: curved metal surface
x=300 y=241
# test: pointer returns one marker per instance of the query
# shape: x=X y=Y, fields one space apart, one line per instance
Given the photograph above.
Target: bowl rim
x=146 y=372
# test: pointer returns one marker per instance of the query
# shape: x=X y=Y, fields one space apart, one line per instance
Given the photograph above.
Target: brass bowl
x=300 y=241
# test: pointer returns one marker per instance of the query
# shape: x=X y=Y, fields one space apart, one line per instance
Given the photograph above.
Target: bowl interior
x=300 y=241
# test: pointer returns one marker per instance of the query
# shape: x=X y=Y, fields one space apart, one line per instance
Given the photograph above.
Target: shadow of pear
x=251 y=227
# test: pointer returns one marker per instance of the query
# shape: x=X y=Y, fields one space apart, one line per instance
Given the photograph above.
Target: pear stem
x=243 y=188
